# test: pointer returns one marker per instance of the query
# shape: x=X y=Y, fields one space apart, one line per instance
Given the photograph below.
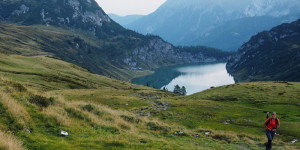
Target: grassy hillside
x=74 y=46
x=243 y=107
x=40 y=96
x=41 y=105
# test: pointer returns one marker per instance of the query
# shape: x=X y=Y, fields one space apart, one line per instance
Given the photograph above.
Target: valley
x=73 y=78
x=99 y=112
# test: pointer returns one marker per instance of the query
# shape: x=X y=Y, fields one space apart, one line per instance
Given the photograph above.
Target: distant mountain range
x=125 y=20
x=80 y=32
x=270 y=55
x=216 y=23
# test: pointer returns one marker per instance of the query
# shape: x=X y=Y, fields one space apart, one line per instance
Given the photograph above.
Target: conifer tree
x=183 y=90
x=177 y=89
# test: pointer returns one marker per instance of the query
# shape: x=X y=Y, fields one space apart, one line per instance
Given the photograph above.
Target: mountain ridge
x=125 y=20
x=92 y=39
x=199 y=22
x=269 y=55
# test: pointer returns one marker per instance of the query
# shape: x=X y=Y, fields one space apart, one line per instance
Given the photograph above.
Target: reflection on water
x=195 y=77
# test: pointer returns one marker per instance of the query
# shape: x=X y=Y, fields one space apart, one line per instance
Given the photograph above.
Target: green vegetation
x=240 y=108
x=78 y=47
x=41 y=96
x=41 y=100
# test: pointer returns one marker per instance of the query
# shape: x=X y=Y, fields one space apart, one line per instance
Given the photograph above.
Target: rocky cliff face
x=79 y=14
x=98 y=44
x=270 y=55
x=157 y=52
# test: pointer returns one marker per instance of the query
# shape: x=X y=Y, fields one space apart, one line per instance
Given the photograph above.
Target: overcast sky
x=130 y=7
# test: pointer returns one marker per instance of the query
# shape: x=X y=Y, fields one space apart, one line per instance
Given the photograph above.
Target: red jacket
x=272 y=124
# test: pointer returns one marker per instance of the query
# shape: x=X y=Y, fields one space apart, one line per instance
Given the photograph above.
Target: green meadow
x=42 y=96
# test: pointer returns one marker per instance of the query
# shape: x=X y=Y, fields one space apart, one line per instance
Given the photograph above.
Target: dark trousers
x=270 y=135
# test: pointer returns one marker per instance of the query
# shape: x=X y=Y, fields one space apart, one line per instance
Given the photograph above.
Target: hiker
x=271 y=125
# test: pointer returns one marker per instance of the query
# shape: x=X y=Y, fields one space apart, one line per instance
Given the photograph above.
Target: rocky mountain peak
x=84 y=14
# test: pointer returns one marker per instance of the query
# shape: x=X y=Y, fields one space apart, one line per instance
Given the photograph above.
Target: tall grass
x=9 y=142
x=15 y=108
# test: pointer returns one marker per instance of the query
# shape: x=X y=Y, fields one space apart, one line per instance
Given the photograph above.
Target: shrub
x=91 y=108
x=88 y=108
x=156 y=127
x=99 y=113
x=143 y=141
x=76 y=114
x=19 y=87
x=41 y=100
x=105 y=128
x=123 y=126
x=130 y=119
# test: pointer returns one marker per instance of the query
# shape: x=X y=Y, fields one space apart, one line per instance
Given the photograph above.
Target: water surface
x=195 y=77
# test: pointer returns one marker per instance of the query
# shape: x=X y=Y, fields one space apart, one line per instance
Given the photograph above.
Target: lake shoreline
x=195 y=77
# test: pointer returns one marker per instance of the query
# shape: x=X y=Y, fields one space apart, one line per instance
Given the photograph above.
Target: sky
x=130 y=7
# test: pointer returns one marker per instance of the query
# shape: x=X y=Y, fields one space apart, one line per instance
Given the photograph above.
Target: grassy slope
x=95 y=128
x=243 y=106
x=111 y=120
x=40 y=40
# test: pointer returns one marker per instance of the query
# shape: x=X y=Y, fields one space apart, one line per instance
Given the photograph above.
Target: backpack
x=270 y=120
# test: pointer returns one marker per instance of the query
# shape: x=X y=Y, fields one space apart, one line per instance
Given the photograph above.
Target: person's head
x=274 y=115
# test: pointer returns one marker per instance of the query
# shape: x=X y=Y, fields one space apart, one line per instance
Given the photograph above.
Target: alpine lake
x=194 y=77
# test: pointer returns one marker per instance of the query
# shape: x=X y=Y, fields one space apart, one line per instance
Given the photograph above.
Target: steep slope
x=41 y=96
x=221 y=24
x=269 y=55
x=78 y=31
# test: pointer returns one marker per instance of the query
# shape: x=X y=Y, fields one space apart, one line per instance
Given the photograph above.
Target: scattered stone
x=160 y=105
x=166 y=106
x=64 y=133
x=143 y=141
x=126 y=104
x=149 y=114
x=294 y=141
x=227 y=121
x=196 y=135
x=207 y=133
x=27 y=130
x=142 y=113
x=179 y=133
